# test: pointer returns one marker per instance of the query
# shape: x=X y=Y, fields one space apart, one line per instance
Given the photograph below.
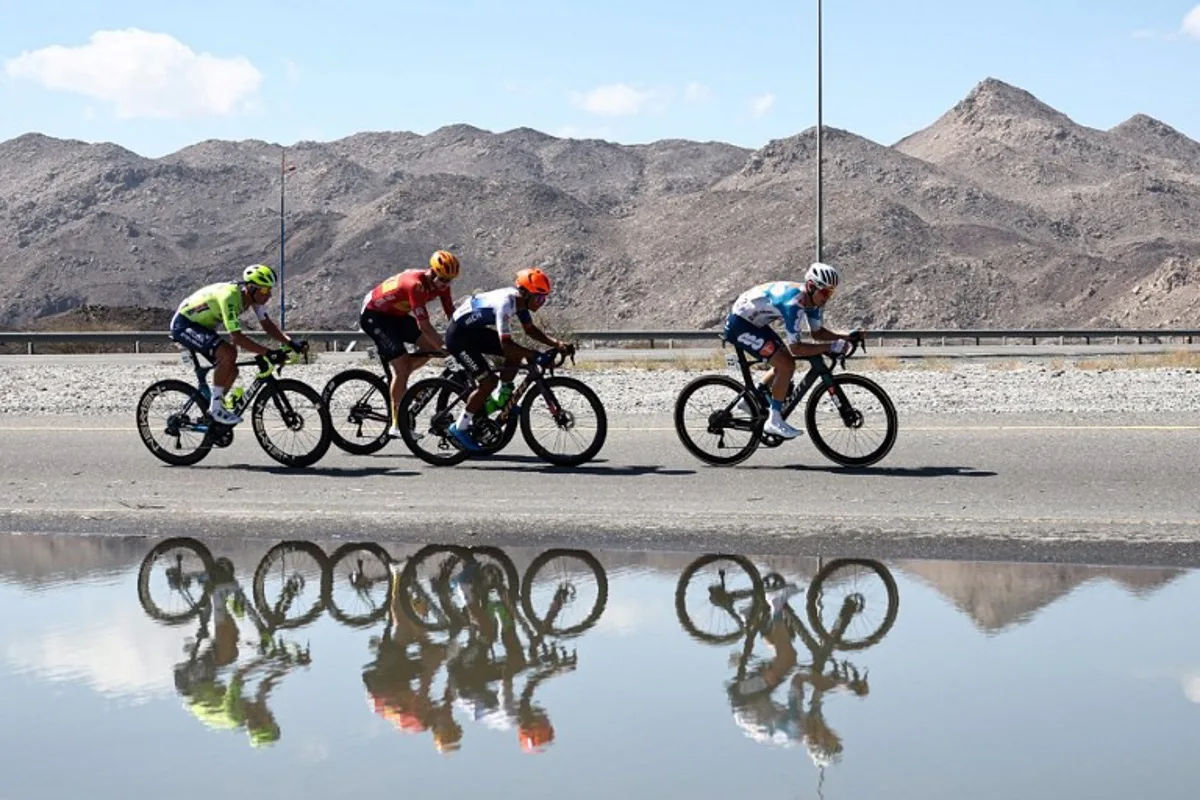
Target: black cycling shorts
x=390 y=333
x=470 y=343
x=195 y=337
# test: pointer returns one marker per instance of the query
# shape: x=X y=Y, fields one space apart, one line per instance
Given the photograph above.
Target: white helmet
x=823 y=275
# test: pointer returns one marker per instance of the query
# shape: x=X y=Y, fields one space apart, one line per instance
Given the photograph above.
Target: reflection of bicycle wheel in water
x=719 y=598
x=289 y=584
x=564 y=592
x=174 y=580
x=425 y=592
x=358 y=584
x=852 y=602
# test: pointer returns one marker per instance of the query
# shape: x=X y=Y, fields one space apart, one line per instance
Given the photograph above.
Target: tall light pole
x=283 y=171
x=820 y=195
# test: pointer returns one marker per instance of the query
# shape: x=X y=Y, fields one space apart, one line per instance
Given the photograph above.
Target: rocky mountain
x=1004 y=212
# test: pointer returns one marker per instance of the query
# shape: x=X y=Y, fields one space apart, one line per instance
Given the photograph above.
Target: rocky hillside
x=1004 y=212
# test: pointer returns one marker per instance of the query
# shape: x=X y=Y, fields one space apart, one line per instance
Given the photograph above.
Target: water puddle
x=311 y=669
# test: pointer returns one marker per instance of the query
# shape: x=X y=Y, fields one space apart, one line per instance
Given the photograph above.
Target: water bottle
x=234 y=397
x=498 y=398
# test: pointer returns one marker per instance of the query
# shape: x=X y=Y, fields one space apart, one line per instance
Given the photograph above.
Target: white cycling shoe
x=224 y=416
x=780 y=428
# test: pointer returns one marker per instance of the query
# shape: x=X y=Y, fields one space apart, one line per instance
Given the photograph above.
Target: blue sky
x=156 y=76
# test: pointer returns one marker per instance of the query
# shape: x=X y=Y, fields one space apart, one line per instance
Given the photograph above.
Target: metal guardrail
x=335 y=340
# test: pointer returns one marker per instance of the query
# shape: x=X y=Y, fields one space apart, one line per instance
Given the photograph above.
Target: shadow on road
x=505 y=463
x=895 y=472
x=328 y=472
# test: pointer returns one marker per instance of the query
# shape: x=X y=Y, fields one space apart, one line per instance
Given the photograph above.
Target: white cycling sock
x=217 y=393
x=465 y=420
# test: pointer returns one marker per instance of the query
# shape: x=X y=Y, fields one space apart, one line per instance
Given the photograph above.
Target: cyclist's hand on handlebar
x=299 y=345
x=545 y=358
x=858 y=336
x=840 y=347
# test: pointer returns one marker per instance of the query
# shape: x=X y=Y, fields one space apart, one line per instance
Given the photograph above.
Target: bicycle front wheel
x=429 y=408
x=564 y=592
x=852 y=422
x=360 y=414
x=719 y=598
x=291 y=423
x=853 y=603
x=568 y=427
x=710 y=423
x=289 y=584
x=170 y=420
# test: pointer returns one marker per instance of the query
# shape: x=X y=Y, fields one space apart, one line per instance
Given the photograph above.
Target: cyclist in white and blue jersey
x=748 y=326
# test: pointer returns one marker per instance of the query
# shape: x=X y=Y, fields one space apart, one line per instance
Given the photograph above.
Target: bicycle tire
x=512 y=578
x=820 y=441
x=559 y=384
x=152 y=609
x=593 y=615
x=720 y=418
x=340 y=554
x=409 y=577
x=280 y=388
x=265 y=607
x=817 y=587
x=190 y=392
x=758 y=598
x=367 y=406
x=415 y=401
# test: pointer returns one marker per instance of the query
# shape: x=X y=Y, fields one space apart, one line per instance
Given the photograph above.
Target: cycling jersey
x=217 y=304
x=404 y=293
x=778 y=300
x=493 y=309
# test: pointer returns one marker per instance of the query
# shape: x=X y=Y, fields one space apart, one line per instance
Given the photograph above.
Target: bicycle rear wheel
x=358 y=584
x=719 y=597
x=291 y=423
x=359 y=406
x=171 y=422
x=429 y=408
x=709 y=424
x=186 y=565
x=853 y=422
x=568 y=427
x=426 y=595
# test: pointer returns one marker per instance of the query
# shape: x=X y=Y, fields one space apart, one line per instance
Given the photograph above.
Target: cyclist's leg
x=470 y=344
x=403 y=365
x=765 y=343
x=217 y=350
x=386 y=333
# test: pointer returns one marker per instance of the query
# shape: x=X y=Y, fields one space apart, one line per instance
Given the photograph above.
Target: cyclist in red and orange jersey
x=394 y=316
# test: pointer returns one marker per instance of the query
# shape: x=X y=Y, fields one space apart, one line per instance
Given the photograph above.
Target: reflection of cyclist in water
x=765 y=719
x=225 y=704
x=405 y=655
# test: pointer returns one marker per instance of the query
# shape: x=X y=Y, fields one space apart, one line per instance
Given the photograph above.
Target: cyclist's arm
x=538 y=335
x=231 y=310
x=271 y=329
x=430 y=338
x=246 y=343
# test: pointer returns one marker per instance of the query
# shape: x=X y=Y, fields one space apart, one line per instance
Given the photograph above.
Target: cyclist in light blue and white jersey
x=748 y=326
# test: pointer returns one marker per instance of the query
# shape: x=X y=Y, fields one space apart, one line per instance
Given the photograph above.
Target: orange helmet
x=444 y=265
x=535 y=735
x=533 y=280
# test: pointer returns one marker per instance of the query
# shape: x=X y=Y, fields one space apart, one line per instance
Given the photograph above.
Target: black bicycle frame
x=817 y=370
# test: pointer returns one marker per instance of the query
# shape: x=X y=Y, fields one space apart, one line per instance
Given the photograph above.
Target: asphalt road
x=1102 y=491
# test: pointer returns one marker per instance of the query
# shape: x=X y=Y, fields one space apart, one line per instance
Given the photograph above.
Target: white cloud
x=143 y=74
x=762 y=104
x=576 y=132
x=1191 y=686
x=1191 y=23
x=615 y=100
x=697 y=92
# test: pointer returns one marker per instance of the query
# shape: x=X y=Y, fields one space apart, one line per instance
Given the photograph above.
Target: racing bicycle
x=850 y=418
x=289 y=418
x=564 y=410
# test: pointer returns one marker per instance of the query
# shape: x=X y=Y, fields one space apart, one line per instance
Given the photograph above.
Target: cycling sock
x=214 y=401
x=776 y=406
x=465 y=420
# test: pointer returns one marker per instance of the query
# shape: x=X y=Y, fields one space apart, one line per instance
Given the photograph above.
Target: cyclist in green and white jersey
x=195 y=327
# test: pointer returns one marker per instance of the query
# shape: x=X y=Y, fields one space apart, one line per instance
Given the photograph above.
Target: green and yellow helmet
x=259 y=275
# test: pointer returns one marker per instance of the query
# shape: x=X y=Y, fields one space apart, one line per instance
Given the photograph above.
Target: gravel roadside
x=105 y=387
